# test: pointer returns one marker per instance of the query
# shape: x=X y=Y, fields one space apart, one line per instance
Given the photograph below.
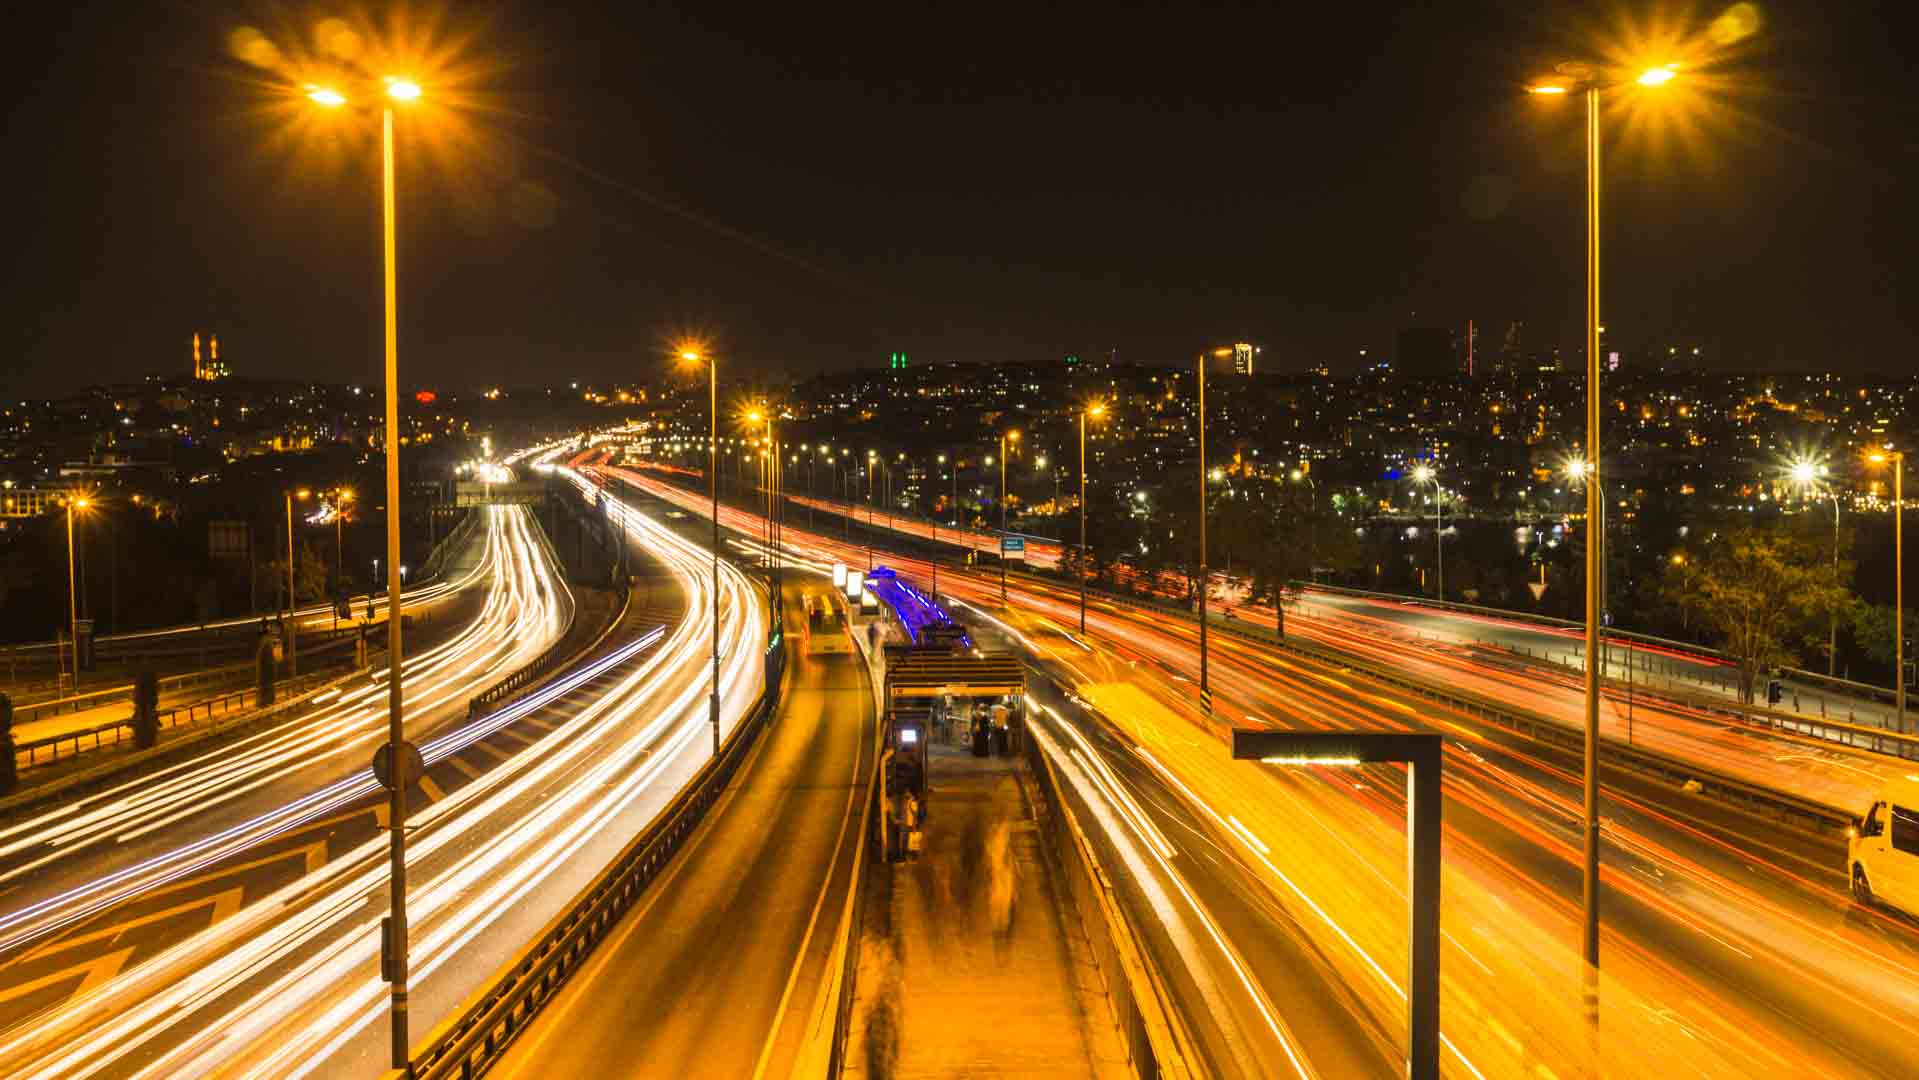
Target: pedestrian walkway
x=966 y=965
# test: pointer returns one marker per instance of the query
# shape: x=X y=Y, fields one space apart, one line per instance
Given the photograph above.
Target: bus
x=825 y=629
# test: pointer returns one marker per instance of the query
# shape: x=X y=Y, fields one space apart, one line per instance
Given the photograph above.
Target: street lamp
x=1312 y=549
x=1094 y=411
x=1005 y=437
x=293 y=661
x=692 y=357
x=291 y=495
x=396 y=90
x=1205 y=575
x=1898 y=459
x=1585 y=78
x=1427 y=474
x=78 y=502
x=1804 y=476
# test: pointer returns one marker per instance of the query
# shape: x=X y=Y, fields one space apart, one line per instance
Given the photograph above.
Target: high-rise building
x=1243 y=356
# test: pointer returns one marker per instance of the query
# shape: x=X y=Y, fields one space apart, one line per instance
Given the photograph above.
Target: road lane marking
x=223 y=905
x=92 y=973
x=462 y=767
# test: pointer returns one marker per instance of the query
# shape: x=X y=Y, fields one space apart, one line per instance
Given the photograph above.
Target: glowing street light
x=691 y=356
x=1427 y=474
x=1094 y=411
x=1584 y=77
x=1004 y=439
x=1657 y=76
x=81 y=503
x=1805 y=474
x=1898 y=459
x=397 y=752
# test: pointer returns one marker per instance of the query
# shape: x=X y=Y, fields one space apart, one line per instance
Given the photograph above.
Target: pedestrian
x=1002 y=886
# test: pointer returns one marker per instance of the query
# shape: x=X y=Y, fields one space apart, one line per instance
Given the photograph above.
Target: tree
x=1763 y=593
x=1872 y=630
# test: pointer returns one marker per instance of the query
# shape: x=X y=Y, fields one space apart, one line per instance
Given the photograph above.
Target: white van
x=1883 y=852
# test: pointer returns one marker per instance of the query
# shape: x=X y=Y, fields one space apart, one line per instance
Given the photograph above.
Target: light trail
x=289 y=984
x=1724 y=957
x=520 y=615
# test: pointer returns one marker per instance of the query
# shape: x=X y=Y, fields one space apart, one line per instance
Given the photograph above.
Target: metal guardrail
x=1539 y=728
x=469 y=1041
x=854 y=917
x=1142 y=1003
x=1872 y=692
x=1845 y=733
x=95 y=698
x=97 y=736
x=1833 y=683
x=550 y=657
x=432 y=567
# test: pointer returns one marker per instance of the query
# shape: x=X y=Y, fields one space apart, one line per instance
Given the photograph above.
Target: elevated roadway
x=1730 y=947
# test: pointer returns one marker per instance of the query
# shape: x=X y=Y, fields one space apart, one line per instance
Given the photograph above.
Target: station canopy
x=915 y=675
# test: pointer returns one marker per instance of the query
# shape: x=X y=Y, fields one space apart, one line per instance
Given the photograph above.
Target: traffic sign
x=1012 y=547
x=412 y=765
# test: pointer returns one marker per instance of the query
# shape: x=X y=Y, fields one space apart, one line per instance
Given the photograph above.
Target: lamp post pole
x=1005 y=437
x=1595 y=563
x=396 y=731
x=289 y=502
x=1205 y=692
x=1082 y=521
x=73 y=603
x=1899 y=586
x=713 y=478
x=1832 y=617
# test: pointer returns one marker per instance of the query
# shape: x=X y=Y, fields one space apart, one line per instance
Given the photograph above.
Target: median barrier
x=477 y=1033
x=1141 y=1002
x=1536 y=727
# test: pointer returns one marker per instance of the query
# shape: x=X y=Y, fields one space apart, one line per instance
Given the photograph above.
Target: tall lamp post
x=399 y=755
x=1805 y=475
x=693 y=357
x=1205 y=574
x=78 y=502
x=1094 y=411
x=292 y=638
x=1427 y=474
x=1585 y=79
x=1005 y=438
x=1898 y=459
x=340 y=499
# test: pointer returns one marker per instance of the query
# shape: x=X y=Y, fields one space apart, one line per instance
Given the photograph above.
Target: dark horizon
x=815 y=192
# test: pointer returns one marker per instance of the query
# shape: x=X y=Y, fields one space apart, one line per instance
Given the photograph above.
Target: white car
x=1882 y=855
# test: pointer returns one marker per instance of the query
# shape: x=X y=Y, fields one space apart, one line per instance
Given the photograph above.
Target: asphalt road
x=114 y=891
x=717 y=969
x=1730 y=948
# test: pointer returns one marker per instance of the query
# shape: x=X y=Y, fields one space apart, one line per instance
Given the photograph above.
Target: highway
x=1333 y=613
x=1730 y=947
x=117 y=902
x=717 y=970
x=198 y=645
x=518 y=809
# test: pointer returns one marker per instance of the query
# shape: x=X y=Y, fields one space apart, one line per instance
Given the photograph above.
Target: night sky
x=814 y=186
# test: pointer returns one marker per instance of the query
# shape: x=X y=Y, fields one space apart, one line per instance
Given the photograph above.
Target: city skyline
x=977 y=196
